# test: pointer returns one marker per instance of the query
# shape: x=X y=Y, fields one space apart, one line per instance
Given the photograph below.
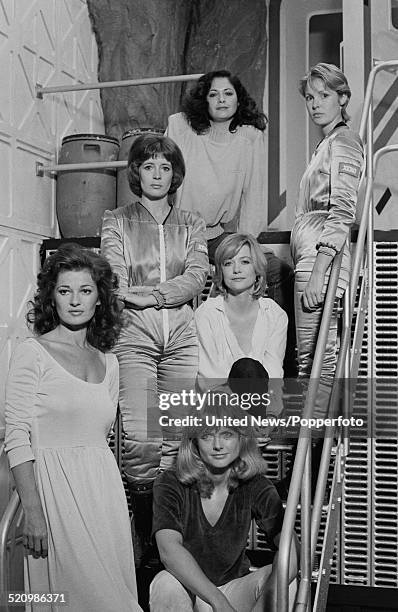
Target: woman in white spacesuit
x=325 y=213
x=159 y=253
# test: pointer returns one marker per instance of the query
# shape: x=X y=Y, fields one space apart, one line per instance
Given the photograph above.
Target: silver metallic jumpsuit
x=157 y=350
x=325 y=213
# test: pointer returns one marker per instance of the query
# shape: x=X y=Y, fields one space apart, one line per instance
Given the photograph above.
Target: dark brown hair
x=195 y=105
x=152 y=145
x=104 y=328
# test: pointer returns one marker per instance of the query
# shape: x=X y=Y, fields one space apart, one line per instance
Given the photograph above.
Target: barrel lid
x=102 y=137
x=142 y=130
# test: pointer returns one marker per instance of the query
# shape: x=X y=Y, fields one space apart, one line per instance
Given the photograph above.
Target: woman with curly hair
x=202 y=517
x=221 y=134
x=61 y=400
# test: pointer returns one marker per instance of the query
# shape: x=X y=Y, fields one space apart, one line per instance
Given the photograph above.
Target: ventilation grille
x=370 y=495
x=385 y=417
x=356 y=515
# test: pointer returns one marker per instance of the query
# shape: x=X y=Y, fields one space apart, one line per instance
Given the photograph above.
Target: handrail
x=302 y=446
x=383 y=65
x=5 y=524
x=40 y=91
x=41 y=168
x=366 y=227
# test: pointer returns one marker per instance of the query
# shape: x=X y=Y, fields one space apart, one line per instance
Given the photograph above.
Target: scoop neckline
x=67 y=371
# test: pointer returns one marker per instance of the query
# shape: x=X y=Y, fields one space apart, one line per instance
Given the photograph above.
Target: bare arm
x=35 y=528
x=179 y=562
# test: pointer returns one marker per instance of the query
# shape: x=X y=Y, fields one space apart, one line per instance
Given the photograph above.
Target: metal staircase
x=358 y=321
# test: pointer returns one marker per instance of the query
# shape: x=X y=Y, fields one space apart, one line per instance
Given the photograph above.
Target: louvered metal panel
x=385 y=418
x=356 y=515
x=370 y=494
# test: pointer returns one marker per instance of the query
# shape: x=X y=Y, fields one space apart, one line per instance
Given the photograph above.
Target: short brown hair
x=151 y=145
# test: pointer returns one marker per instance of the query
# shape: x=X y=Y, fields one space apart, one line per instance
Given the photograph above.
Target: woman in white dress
x=61 y=401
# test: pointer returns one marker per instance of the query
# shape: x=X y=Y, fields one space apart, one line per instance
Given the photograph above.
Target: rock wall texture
x=143 y=38
x=229 y=34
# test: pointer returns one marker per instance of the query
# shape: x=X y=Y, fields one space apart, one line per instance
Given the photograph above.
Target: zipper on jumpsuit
x=165 y=314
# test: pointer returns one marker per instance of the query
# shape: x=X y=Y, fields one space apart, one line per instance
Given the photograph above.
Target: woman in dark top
x=202 y=517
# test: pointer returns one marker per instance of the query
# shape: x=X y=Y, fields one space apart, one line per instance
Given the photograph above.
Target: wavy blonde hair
x=191 y=468
x=227 y=249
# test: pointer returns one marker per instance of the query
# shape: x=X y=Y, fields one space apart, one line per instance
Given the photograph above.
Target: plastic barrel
x=84 y=195
x=124 y=194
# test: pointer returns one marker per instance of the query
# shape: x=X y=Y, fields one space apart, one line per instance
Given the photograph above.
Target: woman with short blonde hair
x=325 y=212
x=240 y=321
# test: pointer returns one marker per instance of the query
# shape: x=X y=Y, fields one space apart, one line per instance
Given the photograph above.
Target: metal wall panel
x=48 y=42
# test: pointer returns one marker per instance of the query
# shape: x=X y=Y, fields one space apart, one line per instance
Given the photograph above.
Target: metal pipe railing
x=346 y=326
x=303 y=593
x=340 y=368
x=5 y=524
x=366 y=227
x=303 y=443
x=41 y=168
x=40 y=91
x=383 y=65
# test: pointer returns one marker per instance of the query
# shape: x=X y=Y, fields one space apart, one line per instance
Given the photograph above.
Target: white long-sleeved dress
x=61 y=423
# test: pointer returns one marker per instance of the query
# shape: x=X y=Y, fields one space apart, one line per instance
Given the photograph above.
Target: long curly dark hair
x=195 y=106
x=104 y=328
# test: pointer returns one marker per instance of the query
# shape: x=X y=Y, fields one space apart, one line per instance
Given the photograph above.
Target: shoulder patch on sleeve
x=348 y=168
x=202 y=248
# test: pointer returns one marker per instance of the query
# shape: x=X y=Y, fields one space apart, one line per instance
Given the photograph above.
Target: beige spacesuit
x=325 y=213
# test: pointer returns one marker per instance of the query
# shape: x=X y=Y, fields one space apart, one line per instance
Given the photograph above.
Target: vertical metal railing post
x=303 y=443
x=304 y=593
x=346 y=336
x=346 y=329
x=5 y=524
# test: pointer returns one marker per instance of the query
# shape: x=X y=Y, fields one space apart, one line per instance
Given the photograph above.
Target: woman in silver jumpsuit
x=159 y=253
x=325 y=213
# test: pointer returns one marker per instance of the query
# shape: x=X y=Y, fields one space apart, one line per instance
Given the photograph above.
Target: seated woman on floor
x=202 y=516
